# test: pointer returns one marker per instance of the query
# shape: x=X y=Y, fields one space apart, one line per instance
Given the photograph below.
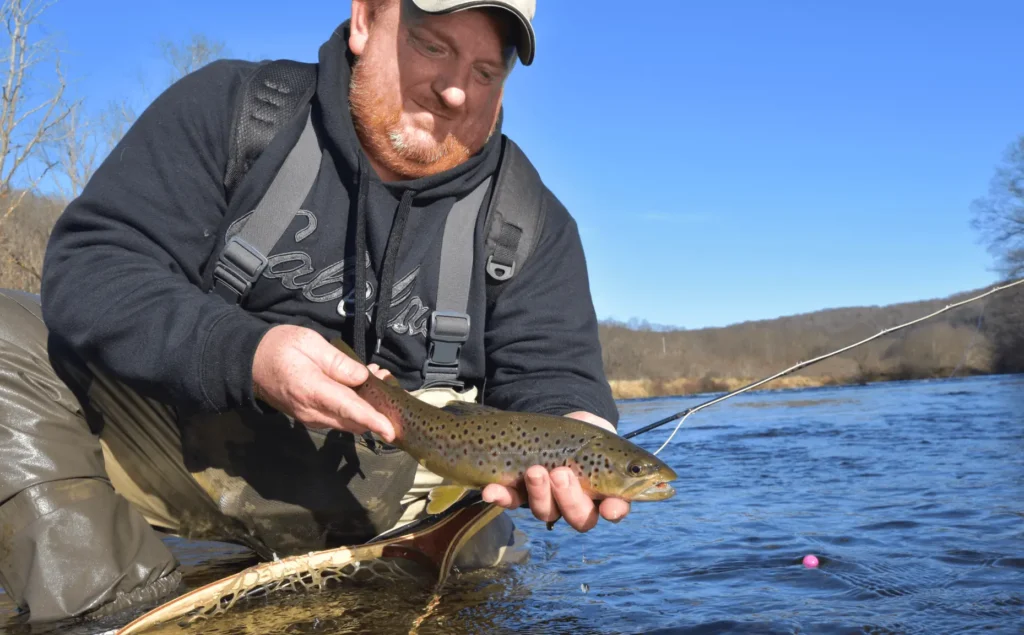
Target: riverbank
x=646 y=388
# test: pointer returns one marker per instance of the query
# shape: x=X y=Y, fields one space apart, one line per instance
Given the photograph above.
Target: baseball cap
x=523 y=10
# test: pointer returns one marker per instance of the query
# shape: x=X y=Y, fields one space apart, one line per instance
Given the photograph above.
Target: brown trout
x=473 y=445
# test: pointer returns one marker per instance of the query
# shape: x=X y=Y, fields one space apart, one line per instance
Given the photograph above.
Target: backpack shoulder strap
x=514 y=219
x=273 y=94
x=448 y=326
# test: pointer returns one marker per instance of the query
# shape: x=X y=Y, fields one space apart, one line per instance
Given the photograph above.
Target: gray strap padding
x=457 y=251
x=245 y=255
x=449 y=323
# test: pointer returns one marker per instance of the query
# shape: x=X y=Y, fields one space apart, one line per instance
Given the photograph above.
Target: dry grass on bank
x=646 y=388
x=643 y=388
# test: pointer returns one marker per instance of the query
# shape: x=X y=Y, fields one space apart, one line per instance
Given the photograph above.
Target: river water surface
x=911 y=495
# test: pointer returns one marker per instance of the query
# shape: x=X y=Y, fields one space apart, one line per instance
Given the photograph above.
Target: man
x=237 y=421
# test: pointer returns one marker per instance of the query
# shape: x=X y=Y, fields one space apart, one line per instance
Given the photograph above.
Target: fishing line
x=683 y=415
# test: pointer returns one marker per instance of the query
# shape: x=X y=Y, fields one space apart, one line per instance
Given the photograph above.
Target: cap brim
x=526 y=43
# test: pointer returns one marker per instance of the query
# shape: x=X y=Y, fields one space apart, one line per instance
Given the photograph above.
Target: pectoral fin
x=444 y=496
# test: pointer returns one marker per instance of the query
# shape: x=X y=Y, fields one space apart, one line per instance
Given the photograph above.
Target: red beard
x=377 y=123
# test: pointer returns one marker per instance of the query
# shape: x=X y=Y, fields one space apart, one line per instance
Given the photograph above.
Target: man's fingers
x=538 y=490
x=576 y=507
x=337 y=365
x=501 y=496
x=345 y=405
x=381 y=373
x=614 y=509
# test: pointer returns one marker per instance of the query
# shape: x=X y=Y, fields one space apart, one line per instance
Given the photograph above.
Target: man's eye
x=427 y=47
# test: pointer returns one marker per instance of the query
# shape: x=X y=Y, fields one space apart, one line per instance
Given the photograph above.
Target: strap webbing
x=244 y=256
x=449 y=323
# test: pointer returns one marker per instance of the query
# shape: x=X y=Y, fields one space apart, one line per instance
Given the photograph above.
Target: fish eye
x=635 y=469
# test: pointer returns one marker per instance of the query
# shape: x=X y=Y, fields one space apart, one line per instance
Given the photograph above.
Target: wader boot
x=68 y=543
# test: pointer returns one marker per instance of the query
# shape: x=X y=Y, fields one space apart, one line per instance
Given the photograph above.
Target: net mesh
x=301 y=579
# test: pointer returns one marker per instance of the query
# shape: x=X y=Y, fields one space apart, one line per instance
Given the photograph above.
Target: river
x=910 y=494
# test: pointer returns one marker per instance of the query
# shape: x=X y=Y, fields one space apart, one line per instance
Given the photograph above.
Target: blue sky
x=725 y=161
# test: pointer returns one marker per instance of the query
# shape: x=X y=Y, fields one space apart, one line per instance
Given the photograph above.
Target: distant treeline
x=979 y=338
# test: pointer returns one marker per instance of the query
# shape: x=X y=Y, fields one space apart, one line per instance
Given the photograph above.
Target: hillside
x=977 y=338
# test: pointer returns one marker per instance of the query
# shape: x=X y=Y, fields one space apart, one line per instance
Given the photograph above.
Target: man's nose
x=452 y=96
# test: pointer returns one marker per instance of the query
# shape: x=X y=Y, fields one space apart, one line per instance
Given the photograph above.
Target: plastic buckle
x=449 y=330
x=500 y=271
x=238 y=267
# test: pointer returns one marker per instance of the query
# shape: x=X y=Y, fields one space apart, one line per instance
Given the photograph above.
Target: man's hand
x=558 y=494
x=299 y=373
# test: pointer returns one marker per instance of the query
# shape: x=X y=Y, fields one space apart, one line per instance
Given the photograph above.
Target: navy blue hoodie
x=127 y=262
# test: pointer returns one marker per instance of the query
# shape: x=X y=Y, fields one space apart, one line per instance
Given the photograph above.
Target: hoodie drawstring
x=359 y=323
x=387 y=279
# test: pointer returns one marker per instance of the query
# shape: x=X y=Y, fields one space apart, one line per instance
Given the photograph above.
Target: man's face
x=426 y=89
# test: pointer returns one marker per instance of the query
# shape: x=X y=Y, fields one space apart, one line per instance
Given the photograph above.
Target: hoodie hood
x=336 y=61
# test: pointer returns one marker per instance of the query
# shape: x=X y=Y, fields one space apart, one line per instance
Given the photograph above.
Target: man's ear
x=359 y=27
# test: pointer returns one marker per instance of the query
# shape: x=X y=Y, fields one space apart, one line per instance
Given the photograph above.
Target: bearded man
x=134 y=400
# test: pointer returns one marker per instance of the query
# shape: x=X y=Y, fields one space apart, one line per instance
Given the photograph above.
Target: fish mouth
x=655 y=492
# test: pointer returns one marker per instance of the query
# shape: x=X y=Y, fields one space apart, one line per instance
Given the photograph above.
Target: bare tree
x=182 y=59
x=194 y=54
x=75 y=152
x=999 y=217
x=31 y=115
x=27 y=122
x=85 y=139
